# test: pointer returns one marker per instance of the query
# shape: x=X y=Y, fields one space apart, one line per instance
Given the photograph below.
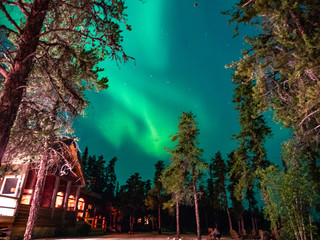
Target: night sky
x=180 y=55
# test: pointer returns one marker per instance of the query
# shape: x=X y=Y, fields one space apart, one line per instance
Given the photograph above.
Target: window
x=81 y=204
x=26 y=197
x=71 y=203
x=59 y=200
x=10 y=185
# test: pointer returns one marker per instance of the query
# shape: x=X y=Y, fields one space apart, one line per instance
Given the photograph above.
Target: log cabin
x=65 y=200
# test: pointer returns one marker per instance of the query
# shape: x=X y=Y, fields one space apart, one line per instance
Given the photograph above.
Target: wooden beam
x=77 y=199
x=54 y=194
x=66 y=197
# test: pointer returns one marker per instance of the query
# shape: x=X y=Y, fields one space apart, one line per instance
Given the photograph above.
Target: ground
x=139 y=236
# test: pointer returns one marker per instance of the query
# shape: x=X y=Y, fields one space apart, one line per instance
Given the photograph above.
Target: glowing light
x=59 y=200
x=71 y=203
x=81 y=204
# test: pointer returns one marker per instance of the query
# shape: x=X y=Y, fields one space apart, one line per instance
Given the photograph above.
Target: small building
x=65 y=201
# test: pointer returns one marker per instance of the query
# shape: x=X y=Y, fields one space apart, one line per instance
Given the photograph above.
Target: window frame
x=4 y=183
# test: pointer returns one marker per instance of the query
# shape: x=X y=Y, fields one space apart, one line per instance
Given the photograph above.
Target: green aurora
x=180 y=52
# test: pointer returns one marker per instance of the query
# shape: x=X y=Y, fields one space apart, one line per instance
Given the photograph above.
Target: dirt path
x=139 y=236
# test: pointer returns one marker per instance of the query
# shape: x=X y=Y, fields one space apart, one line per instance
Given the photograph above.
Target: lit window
x=26 y=197
x=9 y=186
x=71 y=203
x=59 y=200
x=81 y=204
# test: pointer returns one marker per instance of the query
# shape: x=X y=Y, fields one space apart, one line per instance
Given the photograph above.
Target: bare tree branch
x=310 y=114
x=3 y=72
x=4 y=10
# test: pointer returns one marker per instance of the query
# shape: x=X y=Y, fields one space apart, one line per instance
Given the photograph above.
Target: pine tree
x=219 y=171
x=111 y=179
x=237 y=207
x=174 y=182
x=56 y=44
x=251 y=154
x=155 y=196
x=186 y=155
x=281 y=61
x=131 y=197
x=84 y=159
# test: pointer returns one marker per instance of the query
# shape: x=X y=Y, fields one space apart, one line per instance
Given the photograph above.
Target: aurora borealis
x=180 y=55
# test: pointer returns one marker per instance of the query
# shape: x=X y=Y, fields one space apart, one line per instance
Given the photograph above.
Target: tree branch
x=247 y=3
x=4 y=10
x=297 y=22
x=3 y=71
x=307 y=117
x=8 y=29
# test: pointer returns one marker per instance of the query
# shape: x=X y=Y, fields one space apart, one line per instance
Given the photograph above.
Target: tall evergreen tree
x=281 y=61
x=84 y=158
x=281 y=64
x=131 y=197
x=174 y=182
x=155 y=196
x=49 y=58
x=251 y=153
x=111 y=179
x=188 y=155
x=237 y=207
x=219 y=172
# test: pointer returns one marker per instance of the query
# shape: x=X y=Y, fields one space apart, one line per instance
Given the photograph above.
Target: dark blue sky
x=181 y=52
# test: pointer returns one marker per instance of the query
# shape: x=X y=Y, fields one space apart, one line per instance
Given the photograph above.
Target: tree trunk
x=239 y=226
x=16 y=80
x=310 y=227
x=35 y=205
x=227 y=207
x=131 y=219
x=177 y=218
x=42 y=172
x=253 y=225
x=255 y=221
x=243 y=230
x=159 y=219
x=196 y=210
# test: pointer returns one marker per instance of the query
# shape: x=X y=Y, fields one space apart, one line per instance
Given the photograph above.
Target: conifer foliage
x=49 y=55
x=186 y=164
x=156 y=195
x=100 y=176
x=282 y=61
x=280 y=71
x=219 y=170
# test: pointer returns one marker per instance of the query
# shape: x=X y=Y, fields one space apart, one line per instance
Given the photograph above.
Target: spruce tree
x=186 y=156
x=131 y=197
x=155 y=196
x=219 y=172
x=111 y=179
x=173 y=179
x=281 y=61
x=237 y=207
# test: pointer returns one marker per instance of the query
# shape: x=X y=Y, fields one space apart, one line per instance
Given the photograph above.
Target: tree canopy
x=282 y=61
x=49 y=55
